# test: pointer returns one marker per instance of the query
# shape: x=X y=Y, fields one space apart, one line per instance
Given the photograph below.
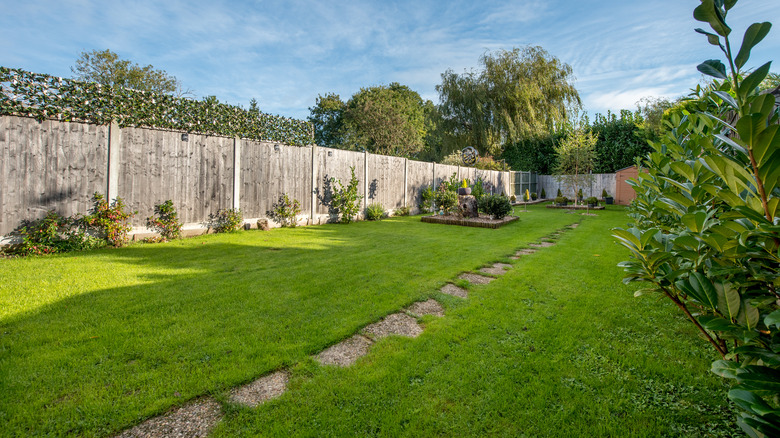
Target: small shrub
x=165 y=221
x=513 y=198
x=496 y=206
x=346 y=199
x=533 y=196
x=402 y=211
x=375 y=212
x=544 y=195
x=285 y=211
x=225 y=220
x=427 y=198
x=592 y=201
x=479 y=189
x=561 y=200
x=559 y=194
x=109 y=221
x=604 y=194
x=446 y=200
x=579 y=194
x=452 y=183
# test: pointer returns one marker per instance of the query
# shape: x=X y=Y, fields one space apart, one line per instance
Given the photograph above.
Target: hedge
x=42 y=96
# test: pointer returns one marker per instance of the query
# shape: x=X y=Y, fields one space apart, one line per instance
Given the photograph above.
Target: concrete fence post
x=365 y=180
x=236 y=173
x=313 y=181
x=112 y=181
x=433 y=184
x=406 y=179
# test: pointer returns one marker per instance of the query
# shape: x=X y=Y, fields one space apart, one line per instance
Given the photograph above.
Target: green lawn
x=92 y=343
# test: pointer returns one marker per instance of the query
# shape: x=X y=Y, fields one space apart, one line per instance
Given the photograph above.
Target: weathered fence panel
x=269 y=170
x=59 y=165
x=156 y=165
x=336 y=163
x=386 y=181
x=591 y=187
x=49 y=165
x=419 y=177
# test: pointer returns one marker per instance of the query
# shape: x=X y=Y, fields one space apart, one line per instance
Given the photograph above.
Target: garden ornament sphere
x=469 y=156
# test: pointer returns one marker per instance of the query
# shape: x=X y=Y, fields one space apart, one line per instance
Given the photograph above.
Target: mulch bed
x=480 y=222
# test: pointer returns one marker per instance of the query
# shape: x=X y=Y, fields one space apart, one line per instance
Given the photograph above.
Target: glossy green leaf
x=767 y=140
x=749 y=401
x=711 y=37
x=716 y=323
x=748 y=316
x=725 y=368
x=694 y=221
x=714 y=68
x=729 y=301
x=759 y=380
x=773 y=319
x=751 y=82
x=728 y=98
x=753 y=35
x=708 y=13
x=701 y=289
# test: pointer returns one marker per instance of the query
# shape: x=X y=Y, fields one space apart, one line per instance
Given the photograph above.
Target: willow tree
x=517 y=94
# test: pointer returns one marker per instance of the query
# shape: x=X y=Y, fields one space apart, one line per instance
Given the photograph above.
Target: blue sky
x=285 y=53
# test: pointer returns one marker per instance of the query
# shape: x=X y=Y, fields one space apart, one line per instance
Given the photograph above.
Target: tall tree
x=387 y=119
x=105 y=67
x=576 y=157
x=519 y=93
x=327 y=117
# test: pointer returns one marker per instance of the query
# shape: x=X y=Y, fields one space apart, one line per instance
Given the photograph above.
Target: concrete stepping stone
x=261 y=390
x=574 y=225
x=523 y=252
x=496 y=269
x=396 y=324
x=195 y=419
x=451 y=289
x=346 y=352
x=542 y=245
x=475 y=278
x=430 y=307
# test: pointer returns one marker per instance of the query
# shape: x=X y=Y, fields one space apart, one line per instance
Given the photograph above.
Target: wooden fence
x=54 y=165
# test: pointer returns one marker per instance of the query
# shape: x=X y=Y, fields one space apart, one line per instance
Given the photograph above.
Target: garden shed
x=624 y=193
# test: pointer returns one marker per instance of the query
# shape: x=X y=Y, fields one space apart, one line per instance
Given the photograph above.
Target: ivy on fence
x=41 y=96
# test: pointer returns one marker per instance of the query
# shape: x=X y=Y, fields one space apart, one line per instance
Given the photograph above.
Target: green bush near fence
x=41 y=96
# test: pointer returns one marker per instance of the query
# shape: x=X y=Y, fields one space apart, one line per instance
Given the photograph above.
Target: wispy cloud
x=286 y=53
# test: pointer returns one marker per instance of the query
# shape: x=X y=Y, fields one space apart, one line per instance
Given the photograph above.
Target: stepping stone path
x=430 y=307
x=346 y=352
x=395 y=324
x=192 y=420
x=261 y=390
x=451 y=289
x=475 y=278
x=496 y=269
x=198 y=418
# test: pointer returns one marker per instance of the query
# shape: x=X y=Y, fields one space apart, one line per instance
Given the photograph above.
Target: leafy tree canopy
x=105 y=68
x=517 y=94
x=386 y=119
